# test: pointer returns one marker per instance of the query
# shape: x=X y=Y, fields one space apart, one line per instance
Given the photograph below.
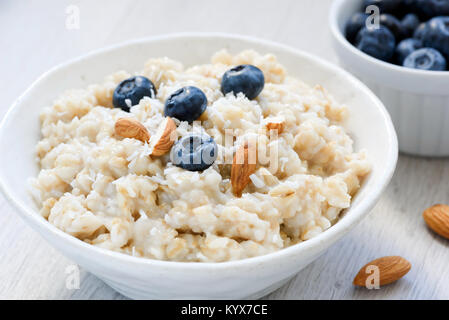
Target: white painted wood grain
x=34 y=38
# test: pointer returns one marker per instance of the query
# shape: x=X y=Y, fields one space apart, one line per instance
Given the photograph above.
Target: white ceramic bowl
x=418 y=101
x=369 y=124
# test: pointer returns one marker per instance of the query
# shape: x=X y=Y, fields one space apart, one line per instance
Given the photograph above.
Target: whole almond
x=390 y=268
x=279 y=126
x=437 y=218
x=130 y=128
x=243 y=166
x=164 y=138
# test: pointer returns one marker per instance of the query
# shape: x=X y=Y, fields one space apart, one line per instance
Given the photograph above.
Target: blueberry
x=409 y=24
x=194 y=152
x=246 y=79
x=405 y=47
x=419 y=31
x=426 y=59
x=432 y=8
x=354 y=24
x=393 y=24
x=436 y=35
x=130 y=91
x=385 y=6
x=409 y=4
x=407 y=7
x=378 y=43
x=186 y=104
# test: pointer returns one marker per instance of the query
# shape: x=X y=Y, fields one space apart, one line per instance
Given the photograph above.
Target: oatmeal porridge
x=116 y=167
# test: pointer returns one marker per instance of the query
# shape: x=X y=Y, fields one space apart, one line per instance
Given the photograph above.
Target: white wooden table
x=34 y=37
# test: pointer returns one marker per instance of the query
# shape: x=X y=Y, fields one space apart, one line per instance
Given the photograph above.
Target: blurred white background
x=35 y=38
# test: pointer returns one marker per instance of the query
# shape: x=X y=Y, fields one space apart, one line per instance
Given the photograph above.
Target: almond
x=437 y=218
x=164 y=138
x=390 y=269
x=279 y=126
x=130 y=128
x=243 y=166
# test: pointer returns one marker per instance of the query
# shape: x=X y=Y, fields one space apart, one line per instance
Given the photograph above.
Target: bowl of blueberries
x=400 y=49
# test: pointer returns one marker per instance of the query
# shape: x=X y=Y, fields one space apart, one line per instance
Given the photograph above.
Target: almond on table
x=437 y=219
x=389 y=269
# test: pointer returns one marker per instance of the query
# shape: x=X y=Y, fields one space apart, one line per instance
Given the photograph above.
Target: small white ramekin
x=418 y=101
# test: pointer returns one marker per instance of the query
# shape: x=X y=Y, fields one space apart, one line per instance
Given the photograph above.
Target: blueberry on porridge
x=229 y=160
x=194 y=152
x=130 y=91
x=186 y=104
x=245 y=79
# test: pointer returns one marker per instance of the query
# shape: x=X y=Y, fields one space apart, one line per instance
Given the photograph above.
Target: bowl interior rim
x=329 y=235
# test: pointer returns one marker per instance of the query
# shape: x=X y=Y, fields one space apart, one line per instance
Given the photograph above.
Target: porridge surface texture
x=108 y=191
